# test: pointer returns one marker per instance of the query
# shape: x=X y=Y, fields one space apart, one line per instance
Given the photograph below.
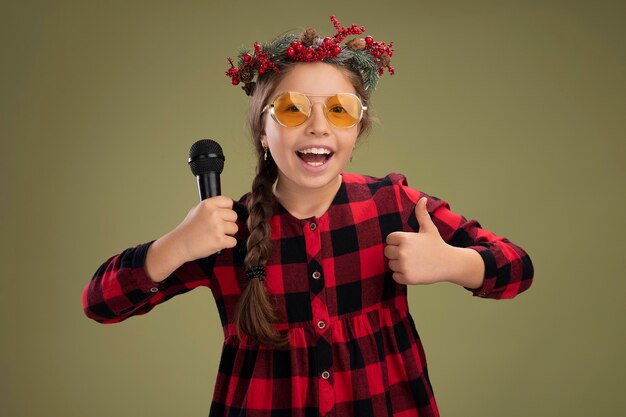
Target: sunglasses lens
x=292 y=109
x=344 y=110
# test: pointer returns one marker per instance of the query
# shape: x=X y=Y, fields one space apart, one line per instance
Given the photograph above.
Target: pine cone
x=308 y=37
x=246 y=74
x=249 y=88
x=356 y=44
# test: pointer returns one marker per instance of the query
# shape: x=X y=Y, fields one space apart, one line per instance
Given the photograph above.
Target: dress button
x=325 y=374
x=154 y=289
x=316 y=275
x=321 y=324
x=313 y=226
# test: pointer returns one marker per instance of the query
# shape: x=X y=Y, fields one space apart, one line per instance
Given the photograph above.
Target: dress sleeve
x=121 y=288
x=508 y=268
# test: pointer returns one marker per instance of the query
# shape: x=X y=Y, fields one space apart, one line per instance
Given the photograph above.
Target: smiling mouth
x=314 y=156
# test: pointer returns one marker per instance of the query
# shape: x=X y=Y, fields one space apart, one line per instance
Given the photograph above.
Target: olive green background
x=512 y=111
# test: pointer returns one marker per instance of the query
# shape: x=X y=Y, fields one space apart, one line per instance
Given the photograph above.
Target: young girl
x=311 y=287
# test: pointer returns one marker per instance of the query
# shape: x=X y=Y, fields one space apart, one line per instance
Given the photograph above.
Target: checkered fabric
x=355 y=350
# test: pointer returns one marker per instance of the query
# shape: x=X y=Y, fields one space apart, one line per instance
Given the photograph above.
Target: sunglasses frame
x=270 y=107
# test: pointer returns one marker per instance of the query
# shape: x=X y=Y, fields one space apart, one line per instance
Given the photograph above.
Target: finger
x=391 y=252
x=230 y=228
x=394 y=238
x=395 y=265
x=230 y=242
x=399 y=277
x=423 y=218
x=228 y=215
x=222 y=201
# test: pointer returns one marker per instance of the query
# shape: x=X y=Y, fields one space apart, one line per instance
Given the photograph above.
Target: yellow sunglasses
x=291 y=109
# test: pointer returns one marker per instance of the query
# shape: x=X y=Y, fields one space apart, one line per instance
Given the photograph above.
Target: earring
x=265 y=155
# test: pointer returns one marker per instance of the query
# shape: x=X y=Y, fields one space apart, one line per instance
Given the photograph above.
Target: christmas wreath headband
x=368 y=57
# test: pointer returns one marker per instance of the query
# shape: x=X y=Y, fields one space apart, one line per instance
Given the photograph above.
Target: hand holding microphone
x=208 y=227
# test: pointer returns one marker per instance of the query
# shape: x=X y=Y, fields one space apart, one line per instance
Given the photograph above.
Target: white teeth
x=317 y=151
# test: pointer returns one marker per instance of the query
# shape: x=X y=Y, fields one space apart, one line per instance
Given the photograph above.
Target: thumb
x=423 y=218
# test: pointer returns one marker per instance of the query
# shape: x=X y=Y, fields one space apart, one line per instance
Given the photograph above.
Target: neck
x=315 y=203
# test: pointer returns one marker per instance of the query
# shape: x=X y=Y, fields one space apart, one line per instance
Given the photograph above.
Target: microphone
x=206 y=160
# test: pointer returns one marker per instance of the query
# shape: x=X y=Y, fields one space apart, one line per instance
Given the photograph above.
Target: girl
x=311 y=287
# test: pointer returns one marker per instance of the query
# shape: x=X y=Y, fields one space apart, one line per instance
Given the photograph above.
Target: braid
x=255 y=311
x=260 y=209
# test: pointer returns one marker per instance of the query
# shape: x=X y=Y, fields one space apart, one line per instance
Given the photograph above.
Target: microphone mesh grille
x=205 y=146
x=205 y=156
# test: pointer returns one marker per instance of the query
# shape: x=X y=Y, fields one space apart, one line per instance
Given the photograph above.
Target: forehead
x=315 y=78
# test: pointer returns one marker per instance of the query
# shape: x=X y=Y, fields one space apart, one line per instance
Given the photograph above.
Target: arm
x=508 y=270
x=134 y=281
x=122 y=288
x=451 y=249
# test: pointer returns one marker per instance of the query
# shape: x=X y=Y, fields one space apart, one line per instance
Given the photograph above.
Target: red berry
x=369 y=40
x=291 y=52
x=235 y=81
x=247 y=57
x=298 y=47
x=336 y=50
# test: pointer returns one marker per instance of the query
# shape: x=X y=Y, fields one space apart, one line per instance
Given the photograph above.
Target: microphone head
x=206 y=156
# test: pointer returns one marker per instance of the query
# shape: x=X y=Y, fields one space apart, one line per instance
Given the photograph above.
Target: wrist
x=164 y=257
x=469 y=268
x=175 y=247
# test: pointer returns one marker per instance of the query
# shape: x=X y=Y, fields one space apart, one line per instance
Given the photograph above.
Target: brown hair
x=255 y=312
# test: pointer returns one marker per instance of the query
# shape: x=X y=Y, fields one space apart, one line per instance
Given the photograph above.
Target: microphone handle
x=209 y=185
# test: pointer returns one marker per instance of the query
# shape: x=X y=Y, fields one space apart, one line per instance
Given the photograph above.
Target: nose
x=317 y=123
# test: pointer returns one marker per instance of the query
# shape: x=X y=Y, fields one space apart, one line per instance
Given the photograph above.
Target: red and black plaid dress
x=354 y=347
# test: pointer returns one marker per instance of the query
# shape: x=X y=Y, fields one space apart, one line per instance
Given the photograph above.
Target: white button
x=313 y=226
x=321 y=324
x=154 y=289
x=316 y=275
x=325 y=374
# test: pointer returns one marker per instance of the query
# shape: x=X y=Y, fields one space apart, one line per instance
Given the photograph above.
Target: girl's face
x=311 y=155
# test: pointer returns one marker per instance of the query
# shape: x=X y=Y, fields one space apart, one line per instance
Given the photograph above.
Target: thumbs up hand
x=422 y=257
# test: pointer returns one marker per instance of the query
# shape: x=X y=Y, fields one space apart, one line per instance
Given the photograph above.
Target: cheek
x=279 y=140
x=348 y=139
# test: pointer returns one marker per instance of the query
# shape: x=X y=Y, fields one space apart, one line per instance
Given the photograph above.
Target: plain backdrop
x=512 y=111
